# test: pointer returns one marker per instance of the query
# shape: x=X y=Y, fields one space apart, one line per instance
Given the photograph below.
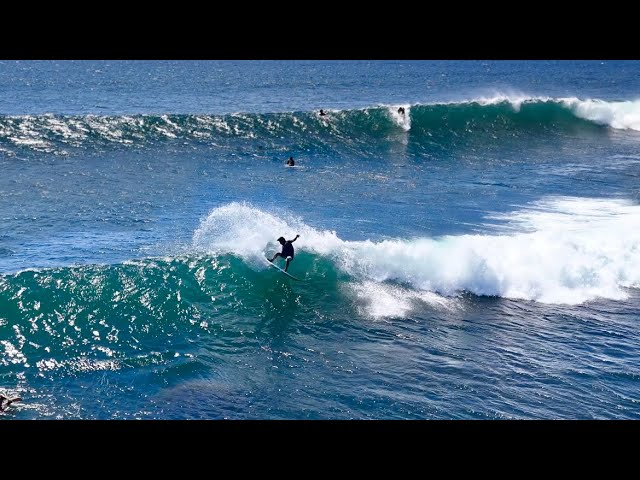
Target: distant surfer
x=322 y=114
x=291 y=162
x=401 y=110
x=6 y=401
x=287 y=251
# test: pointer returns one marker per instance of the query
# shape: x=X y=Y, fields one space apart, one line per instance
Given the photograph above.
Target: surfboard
x=278 y=268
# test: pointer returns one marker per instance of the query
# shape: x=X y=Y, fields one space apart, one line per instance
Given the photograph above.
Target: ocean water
x=475 y=258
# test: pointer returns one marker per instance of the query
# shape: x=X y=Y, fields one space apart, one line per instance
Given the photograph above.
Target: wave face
x=352 y=129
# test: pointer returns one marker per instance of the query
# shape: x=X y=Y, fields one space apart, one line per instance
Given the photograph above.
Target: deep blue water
x=476 y=257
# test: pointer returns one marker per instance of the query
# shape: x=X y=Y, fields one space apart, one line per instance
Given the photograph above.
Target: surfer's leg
x=275 y=256
x=287 y=265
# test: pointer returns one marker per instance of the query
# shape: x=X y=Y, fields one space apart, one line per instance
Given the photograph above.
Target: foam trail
x=559 y=250
x=380 y=300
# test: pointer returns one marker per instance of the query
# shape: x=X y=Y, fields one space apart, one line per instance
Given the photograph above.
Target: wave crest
x=355 y=129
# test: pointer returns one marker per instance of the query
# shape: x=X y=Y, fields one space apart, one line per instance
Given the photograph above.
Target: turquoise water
x=477 y=257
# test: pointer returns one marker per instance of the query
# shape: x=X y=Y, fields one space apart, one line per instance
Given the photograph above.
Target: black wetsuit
x=287 y=249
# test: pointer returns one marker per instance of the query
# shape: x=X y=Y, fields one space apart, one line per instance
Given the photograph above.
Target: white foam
x=106 y=127
x=240 y=229
x=381 y=300
x=560 y=250
x=31 y=142
x=403 y=120
x=620 y=115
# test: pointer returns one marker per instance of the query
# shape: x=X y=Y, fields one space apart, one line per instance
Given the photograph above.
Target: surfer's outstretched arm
x=293 y=239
